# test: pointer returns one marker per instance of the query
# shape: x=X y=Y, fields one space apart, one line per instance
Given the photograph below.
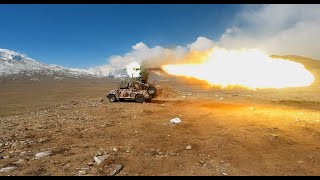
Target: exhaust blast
x=245 y=68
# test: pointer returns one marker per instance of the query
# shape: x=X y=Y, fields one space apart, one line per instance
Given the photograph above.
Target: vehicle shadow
x=152 y=101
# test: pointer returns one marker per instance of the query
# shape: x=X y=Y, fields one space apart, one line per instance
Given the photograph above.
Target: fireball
x=246 y=68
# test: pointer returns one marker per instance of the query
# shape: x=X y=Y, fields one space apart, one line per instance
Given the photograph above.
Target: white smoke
x=142 y=54
x=133 y=69
x=280 y=29
x=277 y=29
x=201 y=44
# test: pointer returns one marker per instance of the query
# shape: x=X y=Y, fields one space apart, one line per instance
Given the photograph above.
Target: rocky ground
x=68 y=127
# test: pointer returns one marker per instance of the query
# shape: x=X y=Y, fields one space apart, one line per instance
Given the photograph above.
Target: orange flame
x=247 y=68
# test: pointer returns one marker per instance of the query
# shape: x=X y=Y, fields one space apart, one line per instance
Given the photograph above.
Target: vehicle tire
x=151 y=90
x=140 y=98
x=112 y=98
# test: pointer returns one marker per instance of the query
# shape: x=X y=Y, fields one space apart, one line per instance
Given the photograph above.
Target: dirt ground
x=60 y=127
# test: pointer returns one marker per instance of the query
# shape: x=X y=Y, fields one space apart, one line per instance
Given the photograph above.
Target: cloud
x=280 y=29
x=276 y=29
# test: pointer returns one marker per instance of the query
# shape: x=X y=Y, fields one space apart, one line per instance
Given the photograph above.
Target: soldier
x=144 y=76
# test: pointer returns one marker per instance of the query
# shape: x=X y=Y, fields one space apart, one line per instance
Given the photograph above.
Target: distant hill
x=17 y=66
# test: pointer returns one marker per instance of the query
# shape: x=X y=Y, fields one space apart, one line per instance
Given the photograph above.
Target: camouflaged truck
x=132 y=90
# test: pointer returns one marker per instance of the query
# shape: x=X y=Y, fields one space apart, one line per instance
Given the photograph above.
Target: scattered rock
x=42 y=140
x=90 y=163
x=221 y=98
x=273 y=137
x=66 y=167
x=94 y=105
x=43 y=154
x=115 y=149
x=20 y=162
x=82 y=172
x=98 y=153
x=112 y=170
x=175 y=121
x=188 y=147
x=6 y=157
x=116 y=169
x=1 y=144
x=7 y=169
x=41 y=127
x=100 y=159
x=225 y=174
x=101 y=100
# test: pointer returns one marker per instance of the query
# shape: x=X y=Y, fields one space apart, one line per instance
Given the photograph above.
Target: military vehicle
x=135 y=88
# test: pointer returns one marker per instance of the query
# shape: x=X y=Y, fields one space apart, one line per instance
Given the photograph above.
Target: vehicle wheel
x=151 y=90
x=112 y=98
x=140 y=98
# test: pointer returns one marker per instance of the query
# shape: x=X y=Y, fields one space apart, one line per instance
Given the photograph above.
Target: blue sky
x=86 y=35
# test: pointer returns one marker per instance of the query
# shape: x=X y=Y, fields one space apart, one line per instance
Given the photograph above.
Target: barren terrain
x=68 y=127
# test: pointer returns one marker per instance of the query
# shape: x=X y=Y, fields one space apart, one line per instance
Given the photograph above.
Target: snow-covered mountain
x=15 y=65
x=109 y=72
